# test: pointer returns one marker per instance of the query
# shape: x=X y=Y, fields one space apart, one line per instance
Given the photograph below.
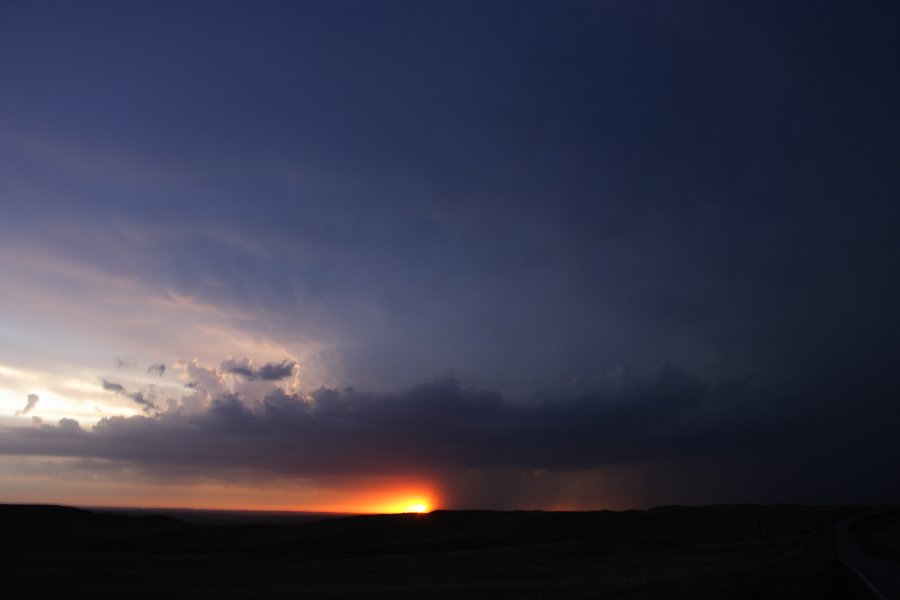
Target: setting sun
x=387 y=496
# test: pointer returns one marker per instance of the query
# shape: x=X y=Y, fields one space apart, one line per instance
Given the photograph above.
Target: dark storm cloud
x=157 y=369
x=433 y=426
x=137 y=397
x=727 y=440
x=709 y=182
x=521 y=193
x=29 y=405
x=267 y=372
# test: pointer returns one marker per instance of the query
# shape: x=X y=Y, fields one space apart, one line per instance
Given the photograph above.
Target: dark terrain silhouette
x=668 y=552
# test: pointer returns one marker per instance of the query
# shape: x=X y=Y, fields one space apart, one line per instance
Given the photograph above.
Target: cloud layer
x=524 y=195
x=432 y=426
x=440 y=425
x=737 y=436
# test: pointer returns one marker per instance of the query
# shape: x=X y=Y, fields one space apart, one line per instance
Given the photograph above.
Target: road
x=882 y=577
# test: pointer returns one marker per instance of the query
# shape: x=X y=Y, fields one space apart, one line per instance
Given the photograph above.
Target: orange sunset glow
x=372 y=495
x=402 y=503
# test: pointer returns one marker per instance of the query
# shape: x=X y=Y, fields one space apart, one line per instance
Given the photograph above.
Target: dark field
x=670 y=552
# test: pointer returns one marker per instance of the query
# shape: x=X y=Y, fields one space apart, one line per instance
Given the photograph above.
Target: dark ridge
x=195 y=516
x=41 y=526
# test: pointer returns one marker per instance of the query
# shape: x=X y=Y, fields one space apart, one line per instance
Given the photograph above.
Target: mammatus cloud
x=267 y=372
x=137 y=397
x=157 y=369
x=32 y=402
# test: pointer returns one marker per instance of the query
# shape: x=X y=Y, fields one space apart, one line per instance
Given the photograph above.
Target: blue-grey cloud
x=276 y=371
x=29 y=405
x=110 y=386
x=267 y=372
x=157 y=369
x=137 y=397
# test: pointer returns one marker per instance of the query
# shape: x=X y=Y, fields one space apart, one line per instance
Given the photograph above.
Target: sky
x=362 y=256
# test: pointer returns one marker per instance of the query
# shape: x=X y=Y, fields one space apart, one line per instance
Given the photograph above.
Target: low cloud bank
x=668 y=434
x=438 y=425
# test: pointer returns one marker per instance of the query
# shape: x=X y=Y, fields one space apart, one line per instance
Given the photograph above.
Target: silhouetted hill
x=26 y=526
x=208 y=517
